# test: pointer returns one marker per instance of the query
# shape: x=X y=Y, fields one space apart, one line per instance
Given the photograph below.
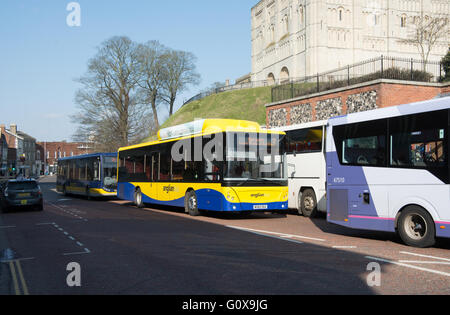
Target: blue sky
x=40 y=55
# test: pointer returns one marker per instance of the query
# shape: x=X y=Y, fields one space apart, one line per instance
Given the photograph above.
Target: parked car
x=21 y=193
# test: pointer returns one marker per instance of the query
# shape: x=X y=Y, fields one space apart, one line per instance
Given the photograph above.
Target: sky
x=41 y=56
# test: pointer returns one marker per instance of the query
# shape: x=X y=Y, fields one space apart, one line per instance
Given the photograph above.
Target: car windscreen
x=22 y=185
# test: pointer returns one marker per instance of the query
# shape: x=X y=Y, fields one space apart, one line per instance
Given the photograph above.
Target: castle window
x=301 y=15
x=403 y=21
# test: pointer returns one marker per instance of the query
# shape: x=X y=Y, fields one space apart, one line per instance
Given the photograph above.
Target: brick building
x=50 y=152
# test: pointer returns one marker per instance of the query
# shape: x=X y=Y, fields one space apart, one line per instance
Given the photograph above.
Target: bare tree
x=152 y=57
x=110 y=113
x=180 y=73
x=426 y=32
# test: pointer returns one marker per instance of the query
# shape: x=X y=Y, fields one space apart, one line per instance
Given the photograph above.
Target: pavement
x=112 y=247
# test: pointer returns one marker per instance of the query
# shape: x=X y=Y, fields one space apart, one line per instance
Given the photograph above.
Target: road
x=121 y=249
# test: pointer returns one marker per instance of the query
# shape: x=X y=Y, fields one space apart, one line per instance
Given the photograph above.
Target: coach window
x=419 y=141
x=362 y=144
x=304 y=140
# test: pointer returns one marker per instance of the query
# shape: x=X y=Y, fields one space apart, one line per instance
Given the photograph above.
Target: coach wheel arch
x=415 y=226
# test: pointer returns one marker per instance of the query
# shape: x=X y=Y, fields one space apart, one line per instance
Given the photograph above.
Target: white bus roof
x=302 y=126
x=393 y=111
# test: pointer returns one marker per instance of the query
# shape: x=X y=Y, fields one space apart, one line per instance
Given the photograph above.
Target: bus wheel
x=191 y=204
x=416 y=227
x=308 y=203
x=138 y=200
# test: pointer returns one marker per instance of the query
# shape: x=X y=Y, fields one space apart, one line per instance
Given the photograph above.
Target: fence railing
x=369 y=70
x=239 y=86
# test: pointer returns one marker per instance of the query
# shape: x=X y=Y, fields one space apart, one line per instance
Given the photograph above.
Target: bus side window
x=418 y=140
x=361 y=144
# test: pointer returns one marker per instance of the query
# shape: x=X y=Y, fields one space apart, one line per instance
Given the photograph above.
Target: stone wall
x=328 y=108
x=277 y=118
x=361 y=102
x=301 y=114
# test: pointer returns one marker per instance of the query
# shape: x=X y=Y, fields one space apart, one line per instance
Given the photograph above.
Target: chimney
x=13 y=129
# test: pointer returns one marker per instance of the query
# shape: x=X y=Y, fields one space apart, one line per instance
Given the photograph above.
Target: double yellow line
x=17 y=277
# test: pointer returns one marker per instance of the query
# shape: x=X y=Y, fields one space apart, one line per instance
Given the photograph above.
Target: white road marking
x=284 y=235
x=265 y=235
x=86 y=251
x=344 y=247
x=70 y=211
x=409 y=266
x=8 y=227
x=425 y=262
x=425 y=256
x=76 y=253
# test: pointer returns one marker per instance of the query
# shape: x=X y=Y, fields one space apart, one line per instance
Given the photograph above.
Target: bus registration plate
x=259 y=207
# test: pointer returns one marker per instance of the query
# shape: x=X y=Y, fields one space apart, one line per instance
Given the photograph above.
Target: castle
x=298 y=38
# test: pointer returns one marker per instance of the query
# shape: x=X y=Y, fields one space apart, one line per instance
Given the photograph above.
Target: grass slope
x=242 y=104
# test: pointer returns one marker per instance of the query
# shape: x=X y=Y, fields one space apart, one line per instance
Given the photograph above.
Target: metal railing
x=239 y=86
x=369 y=70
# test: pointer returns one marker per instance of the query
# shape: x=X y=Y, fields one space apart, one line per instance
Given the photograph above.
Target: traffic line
x=425 y=256
x=86 y=250
x=68 y=211
x=344 y=246
x=8 y=227
x=283 y=235
x=409 y=266
x=265 y=235
x=18 y=278
x=425 y=262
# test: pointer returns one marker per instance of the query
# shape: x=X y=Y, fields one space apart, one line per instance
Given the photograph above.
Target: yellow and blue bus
x=211 y=164
x=90 y=175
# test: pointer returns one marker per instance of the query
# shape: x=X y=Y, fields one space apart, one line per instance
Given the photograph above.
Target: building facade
x=298 y=38
x=50 y=152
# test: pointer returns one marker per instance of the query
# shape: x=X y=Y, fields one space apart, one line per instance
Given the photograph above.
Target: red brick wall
x=398 y=94
x=388 y=94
